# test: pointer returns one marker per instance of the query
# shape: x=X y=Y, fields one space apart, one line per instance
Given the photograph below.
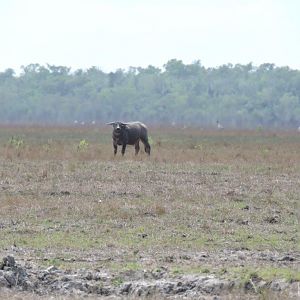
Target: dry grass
x=200 y=191
x=169 y=145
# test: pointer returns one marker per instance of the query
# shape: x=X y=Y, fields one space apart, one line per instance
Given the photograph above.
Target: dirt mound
x=53 y=281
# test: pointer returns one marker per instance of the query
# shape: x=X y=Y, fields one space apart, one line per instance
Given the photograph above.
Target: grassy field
x=225 y=202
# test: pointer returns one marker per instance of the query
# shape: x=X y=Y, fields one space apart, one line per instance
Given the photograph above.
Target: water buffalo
x=130 y=134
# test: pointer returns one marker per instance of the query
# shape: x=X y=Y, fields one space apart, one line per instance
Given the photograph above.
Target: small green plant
x=117 y=281
x=177 y=270
x=205 y=270
x=82 y=146
x=150 y=140
x=54 y=262
x=16 y=142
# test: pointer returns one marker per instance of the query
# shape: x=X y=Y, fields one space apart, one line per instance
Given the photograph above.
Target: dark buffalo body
x=130 y=134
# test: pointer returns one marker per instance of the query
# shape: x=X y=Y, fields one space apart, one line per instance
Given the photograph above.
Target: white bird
x=219 y=126
x=298 y=129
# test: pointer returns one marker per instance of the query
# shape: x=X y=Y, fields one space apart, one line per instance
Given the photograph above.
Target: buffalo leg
x=137 y=147
x=147 y=149
x=115 y=149
x=123 y=149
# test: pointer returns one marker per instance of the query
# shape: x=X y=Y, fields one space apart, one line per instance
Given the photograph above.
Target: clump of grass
x=82 y=146
x=160 y=210
x=263 y=273
x=150 y=140
x=16 y=142
x=57 y=262
x=117 y=281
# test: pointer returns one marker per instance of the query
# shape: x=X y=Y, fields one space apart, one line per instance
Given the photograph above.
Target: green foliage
x=267 y=273
x=82 y=146
x=117 y=281
x=239 y=96
x=54 y=262
x=16 y=142
x=150 y=140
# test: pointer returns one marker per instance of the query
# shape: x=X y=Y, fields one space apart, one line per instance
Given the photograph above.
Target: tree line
x=240 y=96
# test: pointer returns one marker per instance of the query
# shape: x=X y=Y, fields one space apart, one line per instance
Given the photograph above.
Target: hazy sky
x=121 y=33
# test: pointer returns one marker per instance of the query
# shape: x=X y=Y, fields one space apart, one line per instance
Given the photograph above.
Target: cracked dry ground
x=140 y=220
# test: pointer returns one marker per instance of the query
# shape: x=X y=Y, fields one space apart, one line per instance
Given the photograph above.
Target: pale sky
x=121 y=33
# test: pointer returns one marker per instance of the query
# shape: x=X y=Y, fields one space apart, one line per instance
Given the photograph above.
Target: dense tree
x=239 y=96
